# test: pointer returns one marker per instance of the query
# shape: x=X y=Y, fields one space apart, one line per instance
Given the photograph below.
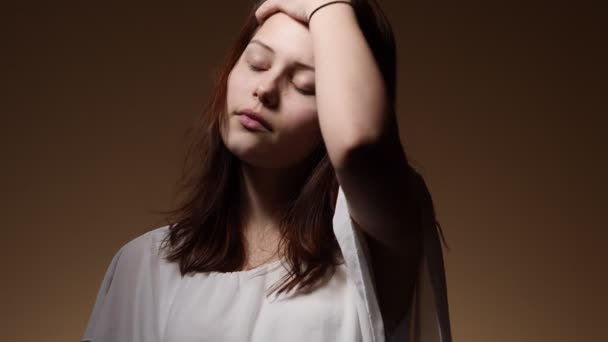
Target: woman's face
x=273 y=77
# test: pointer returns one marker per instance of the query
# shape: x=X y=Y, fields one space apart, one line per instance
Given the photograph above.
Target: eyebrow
x=302 y=65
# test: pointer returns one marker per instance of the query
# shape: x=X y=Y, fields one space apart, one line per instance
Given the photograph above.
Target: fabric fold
x=429 y=307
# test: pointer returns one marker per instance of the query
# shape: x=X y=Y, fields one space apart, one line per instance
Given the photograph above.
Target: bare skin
x=279 y=90
x=348 y=113
x=363 y=145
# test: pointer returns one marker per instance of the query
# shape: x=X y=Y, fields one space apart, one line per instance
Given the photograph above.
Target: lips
x=257 y=117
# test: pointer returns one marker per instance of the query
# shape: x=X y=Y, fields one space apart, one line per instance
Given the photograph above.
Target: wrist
x=316 y=4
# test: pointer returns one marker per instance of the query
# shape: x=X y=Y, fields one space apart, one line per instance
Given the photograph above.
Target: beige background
x=501 y=106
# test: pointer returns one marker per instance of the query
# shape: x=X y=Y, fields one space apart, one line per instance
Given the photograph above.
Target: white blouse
x=143 y=298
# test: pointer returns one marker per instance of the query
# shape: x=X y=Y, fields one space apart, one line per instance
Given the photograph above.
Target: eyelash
x=303 y=92
x=251 y=67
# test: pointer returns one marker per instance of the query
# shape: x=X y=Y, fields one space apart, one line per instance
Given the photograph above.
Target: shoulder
x=131 y=285
x=144 y=248
x=148 y=240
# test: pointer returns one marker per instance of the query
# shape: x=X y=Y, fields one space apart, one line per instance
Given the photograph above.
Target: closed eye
x=299 y=90
x=251 y=67
x=305 y=91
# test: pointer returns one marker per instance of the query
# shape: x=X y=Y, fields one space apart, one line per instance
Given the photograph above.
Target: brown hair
x=204 y=231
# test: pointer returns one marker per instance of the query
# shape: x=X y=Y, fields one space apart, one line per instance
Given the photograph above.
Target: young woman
x=296 y=181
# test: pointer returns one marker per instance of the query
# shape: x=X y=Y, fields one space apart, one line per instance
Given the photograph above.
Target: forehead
x=286 y=37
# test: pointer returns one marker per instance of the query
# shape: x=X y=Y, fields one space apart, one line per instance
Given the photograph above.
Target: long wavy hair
x=205 y=232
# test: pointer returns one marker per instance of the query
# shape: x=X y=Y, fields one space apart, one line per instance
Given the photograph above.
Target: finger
x=264 y=10
x=258 y=14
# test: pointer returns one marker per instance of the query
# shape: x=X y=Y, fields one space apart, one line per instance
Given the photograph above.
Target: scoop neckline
x=253 y=270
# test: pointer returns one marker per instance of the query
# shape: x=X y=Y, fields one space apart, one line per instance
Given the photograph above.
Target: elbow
x=380 y=149
x=365 y=138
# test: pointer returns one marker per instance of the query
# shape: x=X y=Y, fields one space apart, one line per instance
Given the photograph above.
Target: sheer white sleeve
x=429 y=308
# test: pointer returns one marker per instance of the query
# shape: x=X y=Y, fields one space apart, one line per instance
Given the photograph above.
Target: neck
x=265 y=191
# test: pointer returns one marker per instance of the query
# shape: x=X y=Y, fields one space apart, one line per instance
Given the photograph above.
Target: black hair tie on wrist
x=329 y=3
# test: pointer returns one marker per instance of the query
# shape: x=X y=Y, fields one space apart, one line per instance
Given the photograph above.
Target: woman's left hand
x=297 y=9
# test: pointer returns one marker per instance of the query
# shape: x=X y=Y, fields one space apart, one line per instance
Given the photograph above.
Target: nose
x=267 y=92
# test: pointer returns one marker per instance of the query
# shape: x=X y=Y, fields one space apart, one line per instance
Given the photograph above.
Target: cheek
x=236 y=87
x=302 y=125
x=300 y=134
